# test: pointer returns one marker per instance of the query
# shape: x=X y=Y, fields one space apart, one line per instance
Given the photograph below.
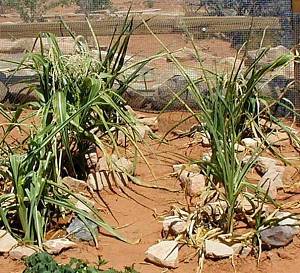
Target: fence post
x=296 y=41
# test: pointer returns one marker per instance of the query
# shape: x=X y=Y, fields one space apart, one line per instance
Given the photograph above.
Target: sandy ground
x=137 y=210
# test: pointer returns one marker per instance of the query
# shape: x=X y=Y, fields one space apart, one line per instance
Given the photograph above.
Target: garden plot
x=85 y=173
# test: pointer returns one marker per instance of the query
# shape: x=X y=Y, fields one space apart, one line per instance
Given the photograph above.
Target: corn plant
x=78 y=105
x=231 y=110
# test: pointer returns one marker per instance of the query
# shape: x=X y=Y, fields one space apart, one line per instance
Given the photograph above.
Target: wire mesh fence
x=218 y=28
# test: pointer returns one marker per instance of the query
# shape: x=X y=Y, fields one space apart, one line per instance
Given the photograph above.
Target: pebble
x=287 y=219
x=74 y=184
x=21 y=252
x=272 y=180
x=79 y=230
x=174 y=225
x=217 y=250
x=164 y=254
x=56 y=246
x=250 y=143
x=7 y=242
x=278 y=236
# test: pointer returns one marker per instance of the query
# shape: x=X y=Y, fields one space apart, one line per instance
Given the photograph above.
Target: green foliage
x=233 y=109
x=79 y=105
x=43 y=262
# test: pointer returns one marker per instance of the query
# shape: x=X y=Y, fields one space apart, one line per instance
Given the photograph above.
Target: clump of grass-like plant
x=78 y=105
x=233 y=108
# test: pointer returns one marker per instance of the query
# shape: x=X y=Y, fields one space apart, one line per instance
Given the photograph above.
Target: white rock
x=58 y=245
x=178 y=167
x=164 y=254
x=288 y=219
x=7 y=242
x=92 y=159
x=193 y=183
x=122 y=139
x=102 y=164
x=174 y=225
x=246 y=251
x=272 y=181
x=91 y=182
x=250 y=143
x=103 y=180
x=21 y=252
x=184 y=177
x=196 y=185
x=205 y=141
x=239 y=148
x=215 y=249
x=237 y=248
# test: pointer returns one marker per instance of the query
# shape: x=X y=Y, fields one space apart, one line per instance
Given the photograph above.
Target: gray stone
x=56 y=246
x=231 y=63
x=278 y=236
x=217 y=250
x=164 y=254
x=7 y=242
x=138 y=99
x=78 y=230
x=21 y=252
x=176 y=85
x=270 y=57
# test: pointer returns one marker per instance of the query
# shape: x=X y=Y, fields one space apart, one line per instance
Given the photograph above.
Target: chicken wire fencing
x=218 y=28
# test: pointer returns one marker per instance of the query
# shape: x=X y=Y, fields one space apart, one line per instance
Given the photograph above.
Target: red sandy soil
x=137 y=210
